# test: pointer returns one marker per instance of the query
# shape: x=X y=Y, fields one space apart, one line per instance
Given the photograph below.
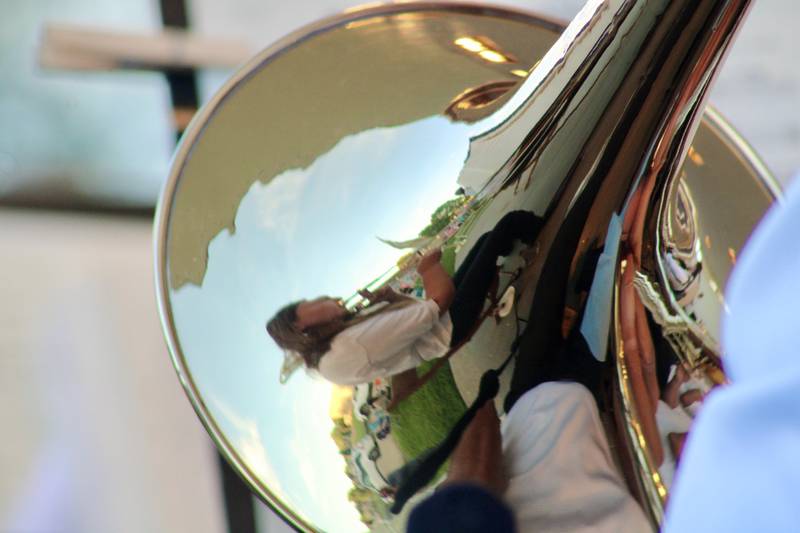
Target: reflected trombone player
x=395 y=332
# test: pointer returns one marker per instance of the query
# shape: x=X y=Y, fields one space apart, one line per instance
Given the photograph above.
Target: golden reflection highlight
x=469 y=44
x=493 y=56
x=695 y=157
x=732 y=255
x=364 y=22
x=486 y=49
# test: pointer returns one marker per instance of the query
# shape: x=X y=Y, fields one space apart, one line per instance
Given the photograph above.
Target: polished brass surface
x=361 y=127
x=333 y=137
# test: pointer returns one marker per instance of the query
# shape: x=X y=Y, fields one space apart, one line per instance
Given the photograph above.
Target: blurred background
x=97 y=433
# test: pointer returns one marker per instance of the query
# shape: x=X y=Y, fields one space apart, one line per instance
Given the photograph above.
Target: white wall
x=98 y=436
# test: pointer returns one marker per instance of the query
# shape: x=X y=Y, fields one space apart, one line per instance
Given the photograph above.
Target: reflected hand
x=691 y=396
x=478 y=458
x=383 y=294
x=671 y=392
x=430 y=259
x=368 y=295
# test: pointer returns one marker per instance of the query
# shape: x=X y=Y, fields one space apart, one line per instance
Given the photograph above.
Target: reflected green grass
x=358 y=429
x=423 y=419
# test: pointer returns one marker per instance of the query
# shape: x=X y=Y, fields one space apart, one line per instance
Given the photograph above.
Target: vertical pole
x=238 y=500
x=182 y=82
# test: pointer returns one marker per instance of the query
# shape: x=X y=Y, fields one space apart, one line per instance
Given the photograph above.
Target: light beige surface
x=97 y=434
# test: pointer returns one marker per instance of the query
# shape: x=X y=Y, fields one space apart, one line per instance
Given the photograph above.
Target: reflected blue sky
x=306 y=232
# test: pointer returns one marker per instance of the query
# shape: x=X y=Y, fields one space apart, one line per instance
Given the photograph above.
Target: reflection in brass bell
x=316 y=168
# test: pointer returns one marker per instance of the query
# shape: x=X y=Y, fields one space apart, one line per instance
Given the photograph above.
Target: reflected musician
x=395 y=332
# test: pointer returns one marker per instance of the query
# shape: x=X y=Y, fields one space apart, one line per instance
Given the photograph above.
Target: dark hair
x=310 y=343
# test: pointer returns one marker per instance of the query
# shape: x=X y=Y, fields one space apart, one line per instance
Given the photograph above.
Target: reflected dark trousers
x=544 y=354
x=476 y=273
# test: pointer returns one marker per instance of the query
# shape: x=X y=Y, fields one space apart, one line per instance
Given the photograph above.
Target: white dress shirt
x=387 y=344
x=561 y=475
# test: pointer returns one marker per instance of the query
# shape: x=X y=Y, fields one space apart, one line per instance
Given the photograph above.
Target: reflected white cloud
x=320 y=477
x=276 y=207
x=250 y=445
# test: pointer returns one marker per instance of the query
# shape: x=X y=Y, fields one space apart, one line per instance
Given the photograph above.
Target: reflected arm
x=437 y=282
x=478 y=458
